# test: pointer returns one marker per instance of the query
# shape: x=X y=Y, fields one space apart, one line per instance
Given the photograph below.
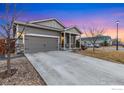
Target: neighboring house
x=3 y=50
x=114 y=42
x=46 y=35
x=102 y=40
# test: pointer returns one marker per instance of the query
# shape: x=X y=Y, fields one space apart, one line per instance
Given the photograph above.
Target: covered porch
x=71 y=39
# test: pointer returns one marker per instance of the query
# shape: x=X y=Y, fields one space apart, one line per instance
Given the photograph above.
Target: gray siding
x=50 y=23
x=33 y=30
x=37 y=44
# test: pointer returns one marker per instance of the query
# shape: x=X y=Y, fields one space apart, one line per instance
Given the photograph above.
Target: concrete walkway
x=67 y=68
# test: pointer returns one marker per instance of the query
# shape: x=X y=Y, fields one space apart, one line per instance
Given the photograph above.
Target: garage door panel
x=35 y=44
x=53 y=44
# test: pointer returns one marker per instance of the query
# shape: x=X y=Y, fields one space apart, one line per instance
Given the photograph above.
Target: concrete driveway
x=67 y=68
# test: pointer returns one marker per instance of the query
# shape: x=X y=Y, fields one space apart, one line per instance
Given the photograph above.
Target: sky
x=82 y=15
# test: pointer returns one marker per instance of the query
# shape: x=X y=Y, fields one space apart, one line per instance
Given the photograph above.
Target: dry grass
x=114 y=56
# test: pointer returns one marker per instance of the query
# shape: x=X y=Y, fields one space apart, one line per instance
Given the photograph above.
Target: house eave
x=49 y=20
x=72 y=28
x=37 y=26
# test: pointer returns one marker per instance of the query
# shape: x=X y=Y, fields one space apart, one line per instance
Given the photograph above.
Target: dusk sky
x=102 y=15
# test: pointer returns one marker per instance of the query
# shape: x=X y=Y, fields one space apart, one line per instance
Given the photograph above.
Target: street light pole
x=117 y=22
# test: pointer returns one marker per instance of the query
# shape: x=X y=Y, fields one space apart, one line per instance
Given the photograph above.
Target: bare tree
x=93 y=33
x=8 y=22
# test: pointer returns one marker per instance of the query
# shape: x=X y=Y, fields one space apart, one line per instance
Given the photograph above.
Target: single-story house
x=46 y=35
x=101 y=40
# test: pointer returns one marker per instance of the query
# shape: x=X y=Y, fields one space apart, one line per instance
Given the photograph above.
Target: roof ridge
x=43 y=20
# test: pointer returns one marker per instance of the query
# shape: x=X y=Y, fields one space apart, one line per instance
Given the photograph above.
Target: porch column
x=69 y=40
x=75 y=41
x=80 y=41
x=64 y=40
x=17 y=31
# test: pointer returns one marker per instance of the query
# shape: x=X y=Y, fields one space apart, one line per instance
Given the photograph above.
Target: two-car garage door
x=35 y=43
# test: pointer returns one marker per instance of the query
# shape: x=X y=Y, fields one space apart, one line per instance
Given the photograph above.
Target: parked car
x=91 y=45
x=97 y=45
x=122 y=45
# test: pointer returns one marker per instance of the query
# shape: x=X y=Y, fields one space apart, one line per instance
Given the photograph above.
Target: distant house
x=114 y=42
x=3 y=50
x=46 y=35
x=102 y=40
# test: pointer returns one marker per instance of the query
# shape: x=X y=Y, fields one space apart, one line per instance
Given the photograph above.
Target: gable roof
x=99 y=38
x=31 y=24
x=50 y=19
x=73 y=27
x=37 y=26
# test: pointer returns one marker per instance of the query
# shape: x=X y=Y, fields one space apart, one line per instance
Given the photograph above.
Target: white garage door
x=35 y=44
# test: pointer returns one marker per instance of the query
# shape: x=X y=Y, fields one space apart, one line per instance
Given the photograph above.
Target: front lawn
x=114 y=56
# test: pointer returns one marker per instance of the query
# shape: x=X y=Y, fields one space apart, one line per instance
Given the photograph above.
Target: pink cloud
x=80 y=22
x=118 y=14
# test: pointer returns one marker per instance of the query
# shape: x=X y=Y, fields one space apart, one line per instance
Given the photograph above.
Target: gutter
x=38 y=26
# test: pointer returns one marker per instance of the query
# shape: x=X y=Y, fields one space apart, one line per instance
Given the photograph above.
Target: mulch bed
x=23 y=73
